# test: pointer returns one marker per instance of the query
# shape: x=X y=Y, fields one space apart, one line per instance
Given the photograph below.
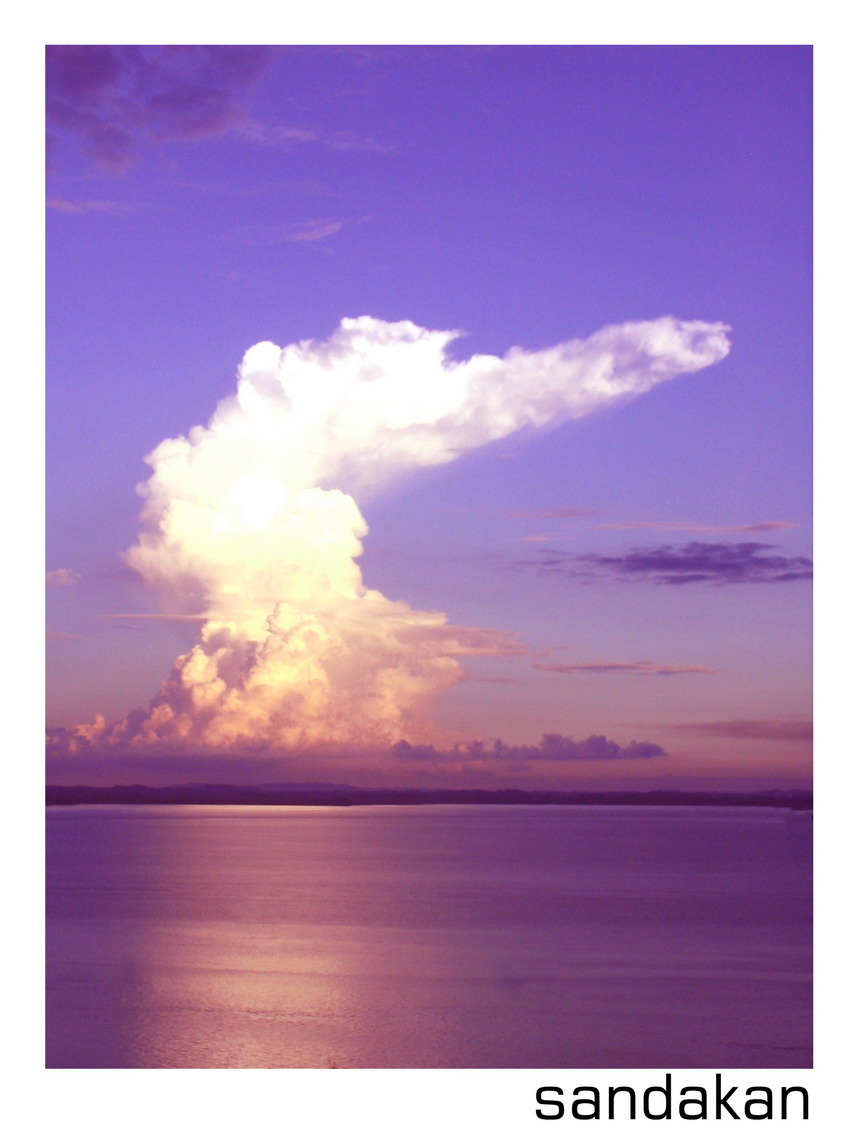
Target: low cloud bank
x=551 y=748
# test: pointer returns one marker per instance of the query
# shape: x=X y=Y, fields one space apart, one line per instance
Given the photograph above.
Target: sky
x=531 y=456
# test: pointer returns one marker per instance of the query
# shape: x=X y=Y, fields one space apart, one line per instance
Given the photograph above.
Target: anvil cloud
x=252 y=524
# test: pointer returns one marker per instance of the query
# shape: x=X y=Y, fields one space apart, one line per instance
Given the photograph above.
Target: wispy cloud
x=640 y=525
x=769 y=729
x=80 y=207
x=463 y=640
x=695 y=528
x=696 y=562
x=56 y=635
x=553 y=513
x=155 y=616
x=62 y=577
x=625 y=668
x=544 y=536
x=277 y=135
x=347 y=139
x=292 y=232
x=257 y=189
x=489 y=679
x=254 y=131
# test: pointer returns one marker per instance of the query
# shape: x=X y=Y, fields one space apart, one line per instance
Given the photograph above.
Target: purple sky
x=651 y=559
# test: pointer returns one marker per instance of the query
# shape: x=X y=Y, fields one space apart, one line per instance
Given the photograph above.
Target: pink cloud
x=769 y=729
x=62 y=577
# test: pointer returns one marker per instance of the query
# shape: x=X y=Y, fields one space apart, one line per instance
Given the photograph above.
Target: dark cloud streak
x=626 y=668
x=710 y=563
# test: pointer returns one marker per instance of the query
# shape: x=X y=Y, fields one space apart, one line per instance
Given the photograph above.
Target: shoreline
x=192 y=794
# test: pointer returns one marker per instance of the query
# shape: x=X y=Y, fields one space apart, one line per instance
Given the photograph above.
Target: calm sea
x=472 y=936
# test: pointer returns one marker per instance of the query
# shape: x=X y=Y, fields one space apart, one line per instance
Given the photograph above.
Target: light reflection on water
x=545 y=937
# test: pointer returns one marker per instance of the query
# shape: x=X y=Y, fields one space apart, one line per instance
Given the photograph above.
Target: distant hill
x=331 y=794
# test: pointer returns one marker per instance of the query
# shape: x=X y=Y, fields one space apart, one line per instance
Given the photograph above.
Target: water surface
x=437 y=936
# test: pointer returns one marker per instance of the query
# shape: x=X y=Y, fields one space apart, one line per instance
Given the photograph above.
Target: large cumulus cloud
x=252 y=524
